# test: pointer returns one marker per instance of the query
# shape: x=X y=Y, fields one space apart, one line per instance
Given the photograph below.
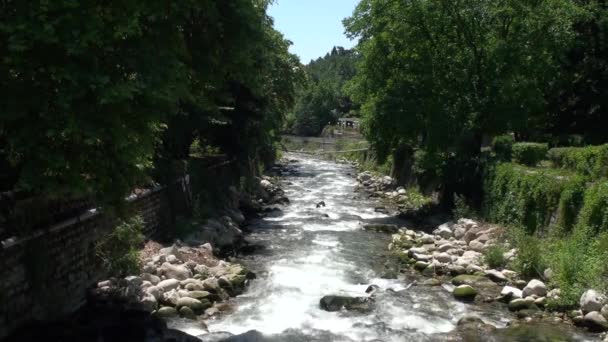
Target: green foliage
x=119 y=250
x=593 y=214
x=530 y=261
x=322 y=100
x=528 y=197
x=578 y=263
x=462 y=209
x=438 y=75
x=502 y=146
x=415 y=202
x=590 y=161
x=494 y=256
x=85 y=101
x=528 y=153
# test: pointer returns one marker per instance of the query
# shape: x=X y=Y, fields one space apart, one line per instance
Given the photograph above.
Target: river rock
x=511 y=292
x=416 y=250
x=464 y=292
x=604 y=311
x=595 y=321
x=496 y=276
x=477 y=246
x=372 y=288
x=521 y=304
x=421 y=265
x=153 y=279
x=591 y=300
x=170 y=298
x=427 y=239
x=166 y=312
x=168 y=284
x=535 y=287
x=178 y=272
x=381 y=228
x=554 y=294
x=466 y=279
x=444 y=230
x=421 y=257
x=133 y=281
x=336 y=303
x=187 y=313
x=149 y=268
x=456 y=270
x=194 y=304
x=155 y=292
x=443 y=257
x=148 y=303
x=211 y=284
x=445 y=247
x=197 y=294
x=459 y=232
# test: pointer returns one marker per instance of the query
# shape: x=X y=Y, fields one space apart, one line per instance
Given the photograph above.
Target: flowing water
x=310 y=252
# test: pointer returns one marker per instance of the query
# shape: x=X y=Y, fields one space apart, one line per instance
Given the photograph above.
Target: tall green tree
x=91 y=88
x=437 y=75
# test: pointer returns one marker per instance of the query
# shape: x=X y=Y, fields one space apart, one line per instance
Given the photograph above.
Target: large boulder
x=535 y=287
x=178 y=272
x=591 y=300
x=336 y=303
x=464 y=292
x=595 y=321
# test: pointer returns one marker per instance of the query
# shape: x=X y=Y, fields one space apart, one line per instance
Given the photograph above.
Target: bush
x=119 y=251
x=494 y=256
x=589 y=161
x=502 y=146
x=527 y=197
x=578 y=263
x=529 y=261
x=462 y=209
x=530 y=154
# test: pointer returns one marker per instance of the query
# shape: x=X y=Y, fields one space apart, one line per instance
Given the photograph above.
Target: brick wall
x=46 y=274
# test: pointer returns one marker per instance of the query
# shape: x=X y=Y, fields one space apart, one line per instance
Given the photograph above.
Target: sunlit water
x=307 y=256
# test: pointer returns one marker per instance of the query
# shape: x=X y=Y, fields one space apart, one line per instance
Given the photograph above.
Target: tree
x=439 y=75
x=93 y=91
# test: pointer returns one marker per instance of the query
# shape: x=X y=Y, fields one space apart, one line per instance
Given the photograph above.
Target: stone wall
x=45 y=274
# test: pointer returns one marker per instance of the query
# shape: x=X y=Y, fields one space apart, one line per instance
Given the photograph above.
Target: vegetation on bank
x=122 y=90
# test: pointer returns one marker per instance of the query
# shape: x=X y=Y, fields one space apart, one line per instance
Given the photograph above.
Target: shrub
x=589 y=161
x=502 y=146
x=119 y=251
x=494 y=256
x=461 y=208
x=528 y=153
x=578 y=263
x=529 y=261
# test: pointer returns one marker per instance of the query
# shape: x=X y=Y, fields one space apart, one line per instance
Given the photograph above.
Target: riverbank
x=471 y=260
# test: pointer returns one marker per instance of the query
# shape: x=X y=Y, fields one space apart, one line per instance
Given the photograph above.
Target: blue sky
x=314 y=26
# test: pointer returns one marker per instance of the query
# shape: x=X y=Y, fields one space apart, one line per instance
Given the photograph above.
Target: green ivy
x=528 y=197
x=591 y=160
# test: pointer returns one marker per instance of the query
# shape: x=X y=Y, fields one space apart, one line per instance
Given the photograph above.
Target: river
x=306 y=253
